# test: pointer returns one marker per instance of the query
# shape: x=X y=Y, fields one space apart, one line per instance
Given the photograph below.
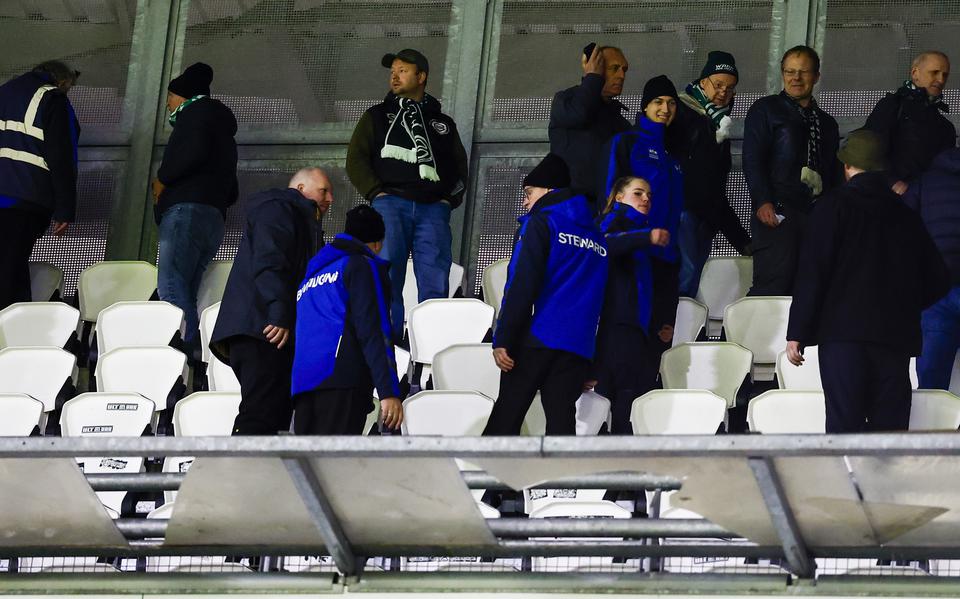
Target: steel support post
x=782 y=516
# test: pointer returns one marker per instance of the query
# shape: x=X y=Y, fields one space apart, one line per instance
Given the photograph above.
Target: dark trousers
x=264 y=374
x=332 y=411
x=19 y=230
x=624 y=371
x=558 y=375
x=867 y=387
x=775 y=254
x=666 y=295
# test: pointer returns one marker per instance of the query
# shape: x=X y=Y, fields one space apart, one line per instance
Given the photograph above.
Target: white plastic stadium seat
x=934 y=410
x=677 y=412
x=107 y=415
x=437 y=324
x=221 y=377
x=494 y=279
x=37 y=324
x=720 y=367
x=106 y=283
x=411 y=292
x=783 y=412
x=208 y=320
x=201 y=414
x=560 y=508
x=760 y=325
x=691 y=319
x=21 y=414
x=593 y=411
x=138 y=324
x=723 y=281
x=45 y=280
x=805 y=377
x=467 y=367
x=212 y=283
x=914 y=377
x=446 y=413
x=149 y=371
x=39 y=372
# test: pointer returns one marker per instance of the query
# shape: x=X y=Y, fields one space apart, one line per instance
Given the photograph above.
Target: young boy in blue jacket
x=545 y=337
x=343 y=349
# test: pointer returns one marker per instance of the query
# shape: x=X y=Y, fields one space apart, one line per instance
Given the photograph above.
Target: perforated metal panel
x=286 y=63
x=92 y=36
x=869 y=45
x=86 y=239
x=541 y=43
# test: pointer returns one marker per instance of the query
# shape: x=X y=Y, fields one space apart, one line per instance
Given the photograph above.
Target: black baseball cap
x=408 y=55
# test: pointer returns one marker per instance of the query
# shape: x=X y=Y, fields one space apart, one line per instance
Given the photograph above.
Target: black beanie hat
x=194 y=81
x=719 y=61
x=551 y=173
x=365 y=224
x=656 y=87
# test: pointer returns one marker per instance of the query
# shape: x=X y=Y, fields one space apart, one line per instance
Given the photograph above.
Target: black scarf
x=811 y=118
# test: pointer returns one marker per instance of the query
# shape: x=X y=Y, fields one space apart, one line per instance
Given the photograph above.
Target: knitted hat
x=863 y=149
x=719 y=61
x=551 y=173
x=365 y=223
x=194 y=81
x=656 y=87
x=408 y=55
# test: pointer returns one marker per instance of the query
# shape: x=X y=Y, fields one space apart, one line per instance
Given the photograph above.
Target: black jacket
x=629 y=295
x=936 y=196
x=914 y=129
x=692 y=139
x=581 y=124
x=869 y=268
x=280 y=235
x=371 y=174
x=200 y=161
x=775 y=151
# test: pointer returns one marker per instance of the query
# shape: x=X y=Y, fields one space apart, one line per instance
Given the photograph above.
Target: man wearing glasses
x=703 y=149
x=789 y=159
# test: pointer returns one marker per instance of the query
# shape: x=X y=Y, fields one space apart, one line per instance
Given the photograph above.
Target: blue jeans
x=695 y=241
x=190 y=235
x=941 y=340
x=424 y=229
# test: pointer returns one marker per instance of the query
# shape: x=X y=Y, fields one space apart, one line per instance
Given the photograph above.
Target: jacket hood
x=948 y=160
x=648 y=130
x=279 y=195
x=630 y=213
x=567 y=202
x=871 y=193
x=342 y=245
x=428 y=104
x=211 y=109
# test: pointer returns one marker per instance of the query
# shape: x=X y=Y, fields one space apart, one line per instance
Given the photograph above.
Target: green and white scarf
x=716 y=113
x=179 y=109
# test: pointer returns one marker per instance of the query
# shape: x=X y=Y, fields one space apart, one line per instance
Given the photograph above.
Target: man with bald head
x=253 y=331
x=911 y=120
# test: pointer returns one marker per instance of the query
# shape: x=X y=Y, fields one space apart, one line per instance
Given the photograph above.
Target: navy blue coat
x=936 y=196
x=629 y=294
x=280 y=235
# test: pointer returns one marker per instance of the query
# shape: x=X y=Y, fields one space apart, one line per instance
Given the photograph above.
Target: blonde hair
x=620 y=186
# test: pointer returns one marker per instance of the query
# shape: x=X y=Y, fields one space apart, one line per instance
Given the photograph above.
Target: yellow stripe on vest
x=24 y=157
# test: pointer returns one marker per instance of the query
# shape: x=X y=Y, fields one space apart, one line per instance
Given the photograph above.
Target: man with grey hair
x=253 y=331
x=38 y=169
x=911 y=121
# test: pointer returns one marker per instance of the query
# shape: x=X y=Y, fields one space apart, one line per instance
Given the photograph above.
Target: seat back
x=446 y=413
x=212 y=283
x=785 y=411
x=37 y=324
x=593 y=411
x=467 y=367
x=723 y=281
x=435 y=325
x=150 y=371
x=760 y=325
x=493 y=280
x=21 y=414
x=45 y=280
x=107 y=283
x=221 y=377
x=805 y=377
x=208 y=320
x=411 y=293
x=677 y=412
x=138 y=324
x=934 y=410
x=720 y=367
x=39 y=372
x=206 y=414
x=691 y=319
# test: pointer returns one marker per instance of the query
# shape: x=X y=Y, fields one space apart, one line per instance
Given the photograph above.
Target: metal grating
x=282 y=63
x=86 y=239
x=92 y=36
x=527 y=74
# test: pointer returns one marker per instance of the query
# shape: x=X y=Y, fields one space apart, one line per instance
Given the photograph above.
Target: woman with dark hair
x=623 y=365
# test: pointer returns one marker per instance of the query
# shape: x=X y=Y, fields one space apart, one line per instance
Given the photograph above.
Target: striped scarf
x=179 y=109
x=811 y=117
x=716 y=113
x=937 y=101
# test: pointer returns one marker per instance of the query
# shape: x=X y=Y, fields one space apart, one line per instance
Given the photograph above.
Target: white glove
x=723 y=131
x=811 y=179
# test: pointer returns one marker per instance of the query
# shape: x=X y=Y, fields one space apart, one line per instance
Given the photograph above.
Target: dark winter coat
x=628 y=299
x=869 y=268
x=200 y=161
x=936 y=196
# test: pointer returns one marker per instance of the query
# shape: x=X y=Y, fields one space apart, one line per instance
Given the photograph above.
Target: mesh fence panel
x=541 y=42
x=285 y=63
